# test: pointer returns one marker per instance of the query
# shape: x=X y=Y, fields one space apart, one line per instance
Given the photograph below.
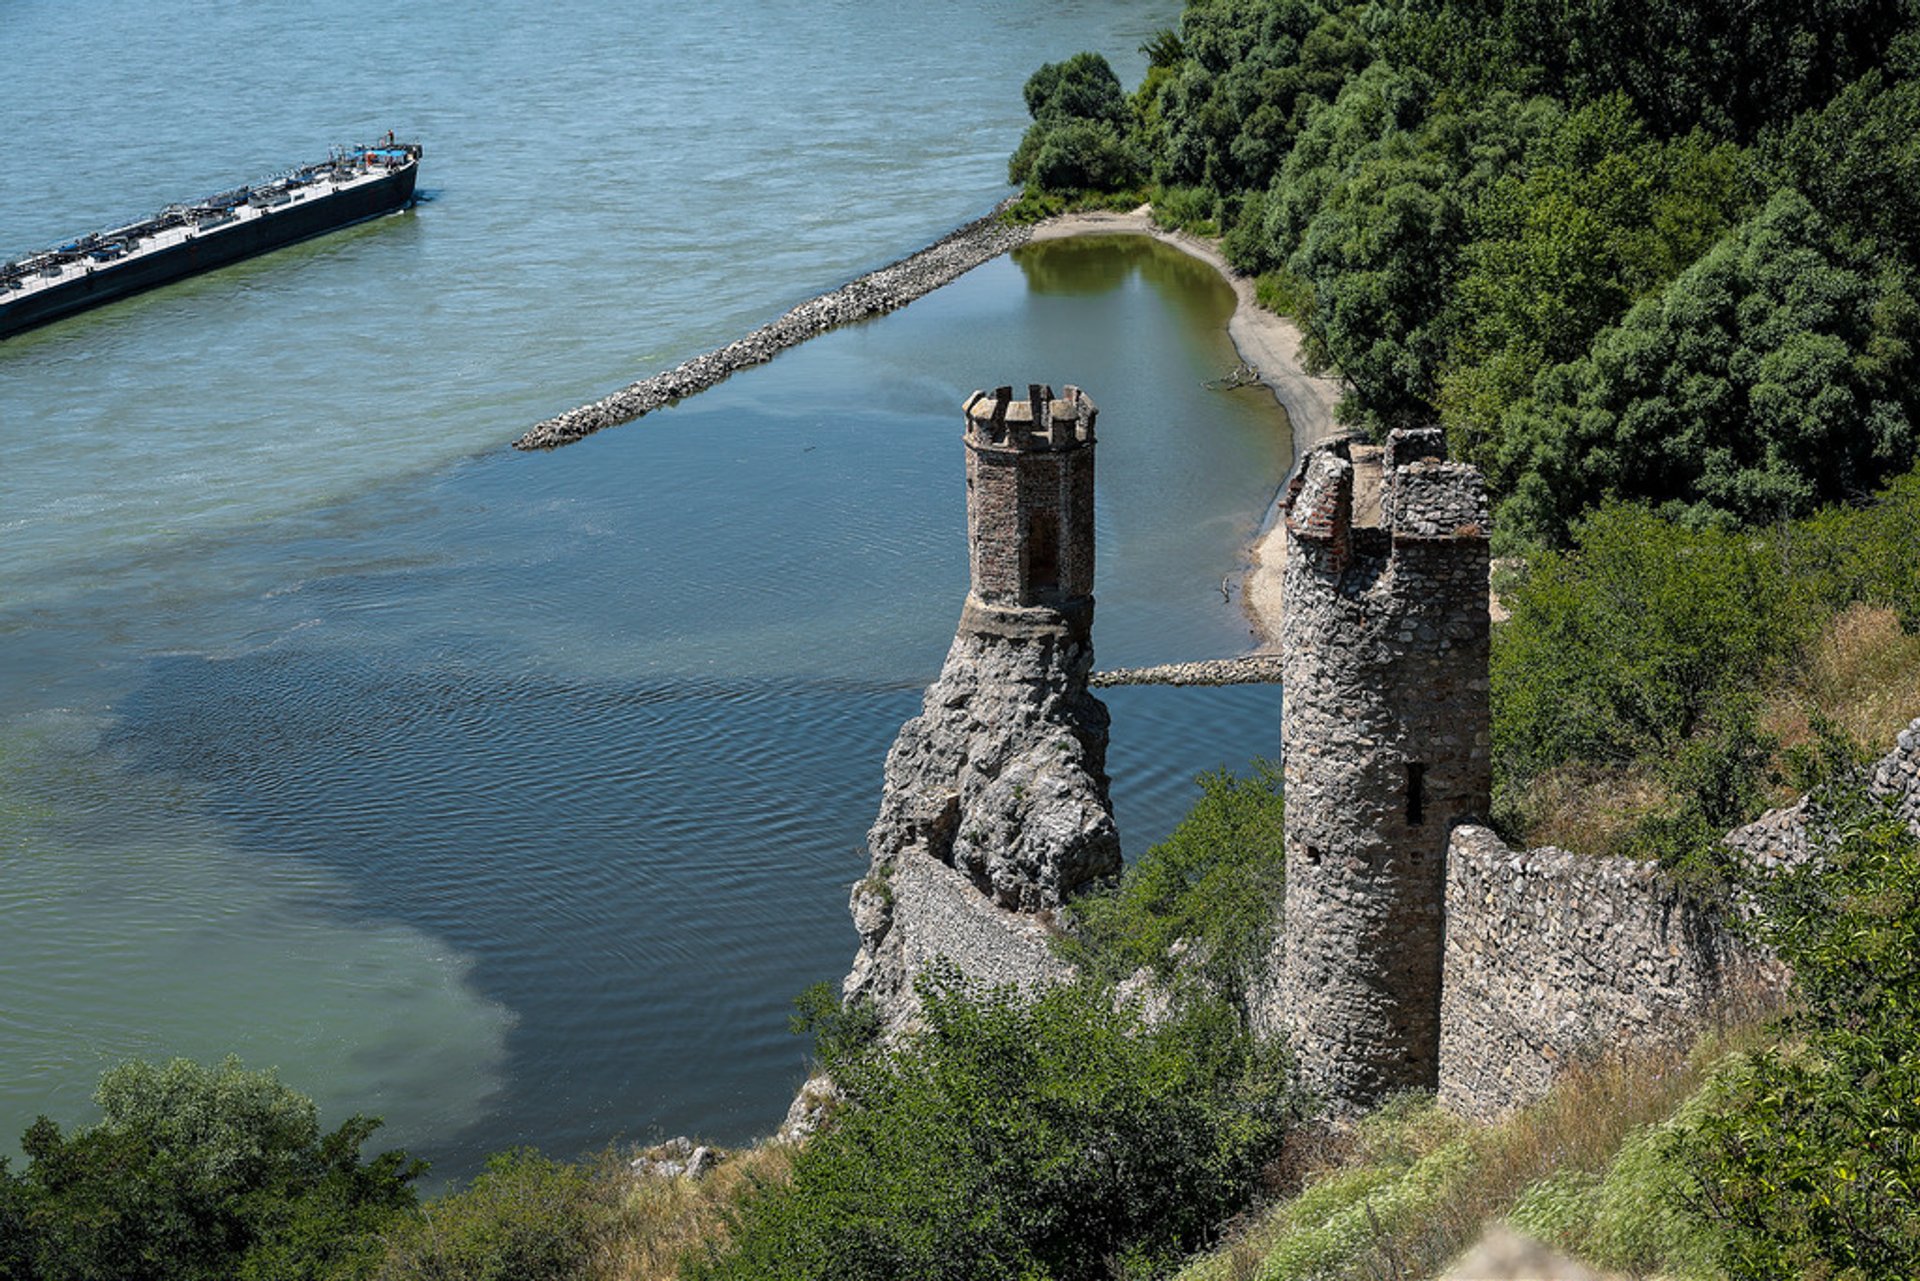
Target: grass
x=1035 y=205
x=1410 y=1187
x=1861 y=675
x=657 y=1221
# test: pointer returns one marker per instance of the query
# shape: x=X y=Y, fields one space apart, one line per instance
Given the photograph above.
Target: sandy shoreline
x=1271 y=344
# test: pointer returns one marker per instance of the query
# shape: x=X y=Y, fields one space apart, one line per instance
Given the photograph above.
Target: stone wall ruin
x=1384 y=664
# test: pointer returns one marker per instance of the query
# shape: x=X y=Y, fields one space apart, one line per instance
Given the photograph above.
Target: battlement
x=1040 y=422
x=1423 y=497
x=1030 y=501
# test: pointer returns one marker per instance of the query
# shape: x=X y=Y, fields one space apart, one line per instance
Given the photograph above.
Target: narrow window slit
x=1416 y=794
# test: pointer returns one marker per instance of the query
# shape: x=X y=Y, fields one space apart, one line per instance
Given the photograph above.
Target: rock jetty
x=878 y=292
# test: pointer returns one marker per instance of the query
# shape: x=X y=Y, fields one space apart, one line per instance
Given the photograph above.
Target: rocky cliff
x=995 y=811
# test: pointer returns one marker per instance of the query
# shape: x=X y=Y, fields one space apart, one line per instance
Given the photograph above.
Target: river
x=513 y=797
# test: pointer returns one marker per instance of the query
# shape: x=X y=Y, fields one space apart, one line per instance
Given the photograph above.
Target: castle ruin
x=1415 y=949
x=995 y=808
x=1384 y=652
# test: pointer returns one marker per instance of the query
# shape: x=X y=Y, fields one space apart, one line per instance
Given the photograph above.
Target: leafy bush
x=1079 y=139
x=1020 y=1137
x=198 y=1172
x=527 y=1218
x=1215 y=882
x=840 y=1032
x=1808 y=1160
x=1634 y=642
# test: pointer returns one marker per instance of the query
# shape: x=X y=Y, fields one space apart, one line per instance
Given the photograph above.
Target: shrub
x=1020 y=1137
x=1808 y=1160
x=527 y=1218
x=199 y=1172
x=1215 y=882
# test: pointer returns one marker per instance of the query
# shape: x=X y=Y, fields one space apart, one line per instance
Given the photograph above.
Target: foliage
x=1226 y=115
x=1808 y=1160
x=1632 y=1216
x=526 y=1218
x=198 y=1172
x=1600 y=216
x=1769 y=378
x=1203 y=902
x=1634 y=641
x=1079 y=137
x=1020 y=1137
x=840 y=1032
x=1658 y=253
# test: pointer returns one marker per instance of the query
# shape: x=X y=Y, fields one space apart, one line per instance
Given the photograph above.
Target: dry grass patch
x=1589 y=809
x=1415 y=1186
x=656 y=1221
x=1862 y=674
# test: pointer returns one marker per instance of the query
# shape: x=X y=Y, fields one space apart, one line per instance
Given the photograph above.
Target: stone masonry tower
x=995 y=809
x=1385 y=734
x=1030 y=501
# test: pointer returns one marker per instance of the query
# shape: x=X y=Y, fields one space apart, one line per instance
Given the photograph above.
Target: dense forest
x=1658 y=252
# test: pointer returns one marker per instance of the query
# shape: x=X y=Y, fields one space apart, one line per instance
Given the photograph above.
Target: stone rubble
x=874 y=294
x=676 y=1158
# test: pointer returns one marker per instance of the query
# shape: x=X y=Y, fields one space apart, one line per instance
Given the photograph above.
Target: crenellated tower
x=1385 y=734
x=1030 y=501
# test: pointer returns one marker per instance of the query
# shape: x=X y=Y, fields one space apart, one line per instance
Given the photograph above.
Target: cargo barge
x=351 y=185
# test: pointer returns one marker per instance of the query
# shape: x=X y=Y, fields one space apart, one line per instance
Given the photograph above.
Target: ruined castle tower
x=1030 y=501
x=995 y=808
x=1385 y=733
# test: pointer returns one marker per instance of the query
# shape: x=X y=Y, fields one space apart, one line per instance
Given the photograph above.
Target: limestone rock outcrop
x=995 y=812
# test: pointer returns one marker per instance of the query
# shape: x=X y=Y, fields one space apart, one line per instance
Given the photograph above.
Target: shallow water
x=513 y=797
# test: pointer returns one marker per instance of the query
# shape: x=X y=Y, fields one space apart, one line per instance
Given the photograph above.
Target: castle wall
x=1384 y=660
x=1554 y=958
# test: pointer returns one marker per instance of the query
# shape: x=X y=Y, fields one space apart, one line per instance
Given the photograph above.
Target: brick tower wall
x=1385 y=734
x=1030 y=497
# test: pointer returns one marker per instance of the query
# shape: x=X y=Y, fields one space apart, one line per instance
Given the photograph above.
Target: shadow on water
x=1086 y=266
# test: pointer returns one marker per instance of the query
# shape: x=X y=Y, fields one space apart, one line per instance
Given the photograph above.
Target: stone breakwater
x=878 y=292
x=1249 y=669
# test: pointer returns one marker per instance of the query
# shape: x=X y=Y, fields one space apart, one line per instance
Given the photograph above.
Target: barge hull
x=207 y=250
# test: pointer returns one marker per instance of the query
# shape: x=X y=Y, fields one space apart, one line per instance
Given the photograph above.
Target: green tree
x=1203 y=902
x=526 y=1218
x=1599 y=216
x=198 y=1172
x=1251 y=72
x=1020 y=1137
x=1634 y=642
x=1079 y=139
x=1771 y=377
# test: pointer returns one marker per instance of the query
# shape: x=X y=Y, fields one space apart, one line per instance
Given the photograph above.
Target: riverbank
x=1271 y=344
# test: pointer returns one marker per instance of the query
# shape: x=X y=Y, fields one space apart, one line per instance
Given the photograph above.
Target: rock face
x=995 y=810
x=1384 y=650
